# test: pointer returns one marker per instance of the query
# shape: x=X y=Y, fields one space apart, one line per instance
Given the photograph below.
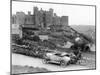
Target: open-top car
x=61 y=58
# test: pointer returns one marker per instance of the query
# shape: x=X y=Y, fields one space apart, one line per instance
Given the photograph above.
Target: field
x=26 y=69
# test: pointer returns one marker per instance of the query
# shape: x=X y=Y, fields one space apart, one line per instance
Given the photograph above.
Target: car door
x=56 y=57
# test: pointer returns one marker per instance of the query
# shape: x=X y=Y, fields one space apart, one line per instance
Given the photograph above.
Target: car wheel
x=73 y=61
x=63 y=63
x=45 y=61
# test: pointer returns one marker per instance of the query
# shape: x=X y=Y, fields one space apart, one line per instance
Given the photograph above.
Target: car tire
x=63 y=63
x=73 y=61
x=45 y=61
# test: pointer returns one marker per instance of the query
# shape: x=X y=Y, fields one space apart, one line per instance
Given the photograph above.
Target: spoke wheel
x=63 y=63
x=45 y=61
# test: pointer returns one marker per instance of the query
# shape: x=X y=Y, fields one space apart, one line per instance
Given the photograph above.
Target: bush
x=15 y=38
x=36 y=38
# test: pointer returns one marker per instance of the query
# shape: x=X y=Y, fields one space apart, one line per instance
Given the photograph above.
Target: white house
x=15 y=29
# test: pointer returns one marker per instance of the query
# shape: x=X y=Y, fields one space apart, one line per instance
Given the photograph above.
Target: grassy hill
x=88 y=30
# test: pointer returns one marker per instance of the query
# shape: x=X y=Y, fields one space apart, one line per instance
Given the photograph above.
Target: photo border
x=59 y=4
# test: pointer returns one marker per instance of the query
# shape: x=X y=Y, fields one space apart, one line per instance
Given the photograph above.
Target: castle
x=39 y=18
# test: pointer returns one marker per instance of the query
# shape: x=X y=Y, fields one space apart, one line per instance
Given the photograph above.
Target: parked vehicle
x=61 y=58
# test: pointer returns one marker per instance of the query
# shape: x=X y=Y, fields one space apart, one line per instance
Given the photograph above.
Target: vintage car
x=61 y=58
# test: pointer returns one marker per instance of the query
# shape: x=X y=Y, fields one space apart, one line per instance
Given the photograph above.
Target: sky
x=78 y=15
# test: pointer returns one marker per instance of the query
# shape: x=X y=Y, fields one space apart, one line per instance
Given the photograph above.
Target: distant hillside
x=85 y=29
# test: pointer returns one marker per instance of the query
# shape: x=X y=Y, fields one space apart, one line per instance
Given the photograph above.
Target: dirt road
x=18 y=59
